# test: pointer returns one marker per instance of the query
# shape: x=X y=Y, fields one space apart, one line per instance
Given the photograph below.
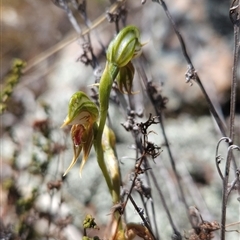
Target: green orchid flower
x=124 y=47
x=82 y=115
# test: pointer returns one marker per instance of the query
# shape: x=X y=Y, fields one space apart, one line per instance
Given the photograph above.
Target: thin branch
x=141 y=216
x=233 y=184
x=64 y=5
x=232 y=224
x=218 y=156
x=234 y=13
x=146 y=166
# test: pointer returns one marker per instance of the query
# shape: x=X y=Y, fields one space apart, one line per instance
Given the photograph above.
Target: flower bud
x=125 y=78
x=124 y=47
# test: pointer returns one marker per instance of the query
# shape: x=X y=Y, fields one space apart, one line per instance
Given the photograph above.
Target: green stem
x=109 y=74
x=102 y=165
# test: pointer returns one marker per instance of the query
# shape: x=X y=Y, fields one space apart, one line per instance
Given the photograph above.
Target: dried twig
x=159 y=104
x=234 y=13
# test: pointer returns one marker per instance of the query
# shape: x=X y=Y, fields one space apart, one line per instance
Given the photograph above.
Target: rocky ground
x=31 y=136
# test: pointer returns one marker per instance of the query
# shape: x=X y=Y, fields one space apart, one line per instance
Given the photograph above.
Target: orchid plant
x=89 y=124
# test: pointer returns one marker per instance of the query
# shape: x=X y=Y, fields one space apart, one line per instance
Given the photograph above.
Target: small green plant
x=83 y=115
x=10 y=81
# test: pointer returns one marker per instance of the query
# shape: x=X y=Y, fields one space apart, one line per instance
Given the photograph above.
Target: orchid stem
x=109 y=74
